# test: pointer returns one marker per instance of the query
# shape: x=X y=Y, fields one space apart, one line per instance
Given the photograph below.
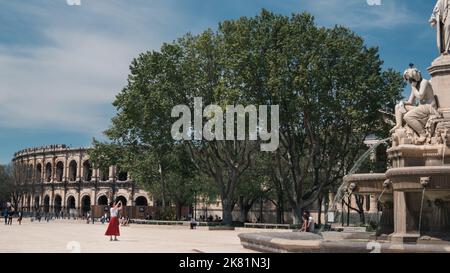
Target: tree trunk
x=243 y=210
x=319 y=214
x=261 y=218
x=163 y=188
x=178 y=210
x=280 y=210
x=227 y=211
x=296 y=215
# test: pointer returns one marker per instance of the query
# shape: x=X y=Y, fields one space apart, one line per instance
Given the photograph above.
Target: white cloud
x=63 y=86
x=70 y=82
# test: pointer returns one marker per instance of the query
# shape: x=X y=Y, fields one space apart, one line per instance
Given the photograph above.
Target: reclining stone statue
x=416 y=117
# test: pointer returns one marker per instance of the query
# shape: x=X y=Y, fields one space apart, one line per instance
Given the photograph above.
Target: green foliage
x=328 y=84
x=6 y=185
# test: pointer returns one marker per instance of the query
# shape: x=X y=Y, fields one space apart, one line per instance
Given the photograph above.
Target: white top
x=113 y=212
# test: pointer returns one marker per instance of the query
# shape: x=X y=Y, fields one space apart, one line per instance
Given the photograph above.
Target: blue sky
x=61 y=66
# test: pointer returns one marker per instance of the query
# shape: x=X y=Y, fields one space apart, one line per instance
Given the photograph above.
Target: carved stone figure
x=441 y=19
x=416 y=117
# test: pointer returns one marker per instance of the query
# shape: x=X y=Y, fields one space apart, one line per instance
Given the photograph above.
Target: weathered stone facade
x=63 y=179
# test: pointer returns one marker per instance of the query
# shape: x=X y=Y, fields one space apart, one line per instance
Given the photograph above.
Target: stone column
x=64 y=200
x=94 y=174
x=33 y=172
x=42 y=170
x=32 y=203
x=405 y=225
x=112 y=173
x=65 y=169
x=79 y=168
x=53 y=170
x=373 y=208
x=52 y=201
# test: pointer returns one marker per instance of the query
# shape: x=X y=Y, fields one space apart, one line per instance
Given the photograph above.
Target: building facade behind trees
x=60 y=180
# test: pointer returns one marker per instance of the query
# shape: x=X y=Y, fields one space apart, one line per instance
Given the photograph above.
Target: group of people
x=8 y=214
x=308 y=224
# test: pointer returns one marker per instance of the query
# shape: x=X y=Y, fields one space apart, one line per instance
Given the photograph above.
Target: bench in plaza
x=167 y=222
x=267 y=226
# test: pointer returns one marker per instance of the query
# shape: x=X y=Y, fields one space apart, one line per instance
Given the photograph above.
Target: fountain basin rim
x=418 y=171
x=364 y=177
x=368 y=183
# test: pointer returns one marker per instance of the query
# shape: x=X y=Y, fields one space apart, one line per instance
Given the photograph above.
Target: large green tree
x=329 y=87
x=6 y=185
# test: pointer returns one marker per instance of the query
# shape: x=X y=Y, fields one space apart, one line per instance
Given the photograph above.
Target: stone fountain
x=419 y=177
x=414 y=193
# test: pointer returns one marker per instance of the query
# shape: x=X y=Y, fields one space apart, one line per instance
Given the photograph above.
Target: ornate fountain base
x=421 y=194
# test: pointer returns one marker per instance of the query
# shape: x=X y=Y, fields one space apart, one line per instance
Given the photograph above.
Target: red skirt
x=113 y=227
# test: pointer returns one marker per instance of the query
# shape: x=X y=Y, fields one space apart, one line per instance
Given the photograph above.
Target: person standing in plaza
x=20 y=218
x=10 y=216
x=5 y=214
x=113 y=226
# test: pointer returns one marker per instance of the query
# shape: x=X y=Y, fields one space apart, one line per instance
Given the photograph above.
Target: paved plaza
x=65 y=236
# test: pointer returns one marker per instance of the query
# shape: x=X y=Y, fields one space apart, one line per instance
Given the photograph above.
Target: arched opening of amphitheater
x=102 y=200
x=46 y=204
x=72 y=170
x=58 y=204
x=87 y=171
x=48 y=172
x=59 y=171
x=123 y=199
x=71 y=208
x=85 y=204
x=141 y=201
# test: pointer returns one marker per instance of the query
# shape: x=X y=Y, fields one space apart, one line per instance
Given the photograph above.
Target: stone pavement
x=65 y=236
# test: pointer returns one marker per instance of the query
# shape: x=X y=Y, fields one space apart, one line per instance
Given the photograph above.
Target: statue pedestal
x=440 y=73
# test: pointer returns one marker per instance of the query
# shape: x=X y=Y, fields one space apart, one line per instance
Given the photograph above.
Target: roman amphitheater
x=62 y=180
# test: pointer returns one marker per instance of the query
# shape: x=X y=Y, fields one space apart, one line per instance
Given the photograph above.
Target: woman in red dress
x=113 y=227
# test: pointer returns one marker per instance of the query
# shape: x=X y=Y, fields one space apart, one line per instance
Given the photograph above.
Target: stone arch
x=58 y=204
x=71 y=204
x=141 y=201
x=87 y=170
x=48 y=172
x=59 y=171
x=122 y=176
x=73 y=170
x=102 y=200
x=37 y=204
x=39 y=172
x=85 y=204
x=47 y=203
x=123 y=199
